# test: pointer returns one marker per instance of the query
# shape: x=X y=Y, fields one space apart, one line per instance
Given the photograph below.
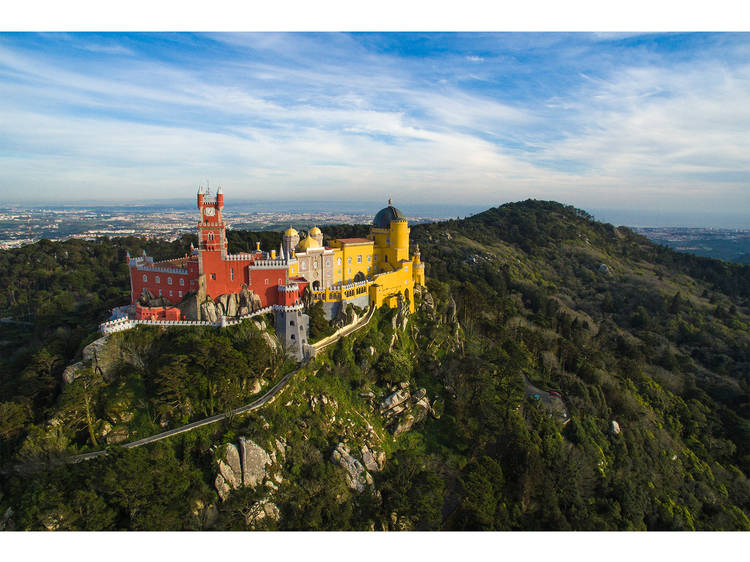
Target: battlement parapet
x=269 y=264
x=122 y=324
x=240 y=257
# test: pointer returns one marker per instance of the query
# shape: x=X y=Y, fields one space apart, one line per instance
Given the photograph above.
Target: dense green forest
x=529 y=307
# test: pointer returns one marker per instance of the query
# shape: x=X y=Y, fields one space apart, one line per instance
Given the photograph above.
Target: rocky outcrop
x=189 y=306
x=345 y=316
x=243 y=466
x=100 y=355
x=373 y=461
x=262 y=510
x=72 y=372
x=394 y=400
x=417 y=414
x=357 y=478
x=271 y=341
x=146 y=298
x=209 y=311
x=428 y=305
x=230 y=305
x=281 y=447
x=404 y=410
x=254 y=461
x=248 y=301
x=222 y=487
x=451 y=311
x=229 y=466
x=614 y=427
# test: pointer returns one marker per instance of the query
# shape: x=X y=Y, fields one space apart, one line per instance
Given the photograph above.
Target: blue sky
x=636 y=121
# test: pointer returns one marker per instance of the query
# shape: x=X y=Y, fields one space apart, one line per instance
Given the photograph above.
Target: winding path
x=259 y=403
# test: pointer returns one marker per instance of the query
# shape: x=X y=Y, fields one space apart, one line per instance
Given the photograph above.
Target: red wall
x=138 y=284
x=157 y=313
x=268 y=293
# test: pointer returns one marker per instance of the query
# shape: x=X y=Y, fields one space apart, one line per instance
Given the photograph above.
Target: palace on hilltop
x=209 y=282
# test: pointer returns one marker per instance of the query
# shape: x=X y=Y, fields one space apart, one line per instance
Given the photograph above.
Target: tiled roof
x=354 y=240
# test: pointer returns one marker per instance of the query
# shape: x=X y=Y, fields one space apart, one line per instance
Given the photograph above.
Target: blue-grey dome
x=385 y=216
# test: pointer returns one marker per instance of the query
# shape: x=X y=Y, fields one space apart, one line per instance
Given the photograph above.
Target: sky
x=657 y=122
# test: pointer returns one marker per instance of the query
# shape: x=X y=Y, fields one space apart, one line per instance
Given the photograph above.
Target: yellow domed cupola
x=308 y=243
x=317 y=235
x=289 y=240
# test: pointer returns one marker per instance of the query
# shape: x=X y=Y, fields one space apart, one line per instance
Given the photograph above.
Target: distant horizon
x=619 y=217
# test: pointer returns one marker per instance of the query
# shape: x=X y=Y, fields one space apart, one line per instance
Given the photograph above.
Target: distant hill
x=560 y=373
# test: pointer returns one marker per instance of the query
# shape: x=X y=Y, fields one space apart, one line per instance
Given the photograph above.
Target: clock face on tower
x=209 y=211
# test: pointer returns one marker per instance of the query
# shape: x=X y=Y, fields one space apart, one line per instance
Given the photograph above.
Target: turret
x=316 y=234
x=290 y=239
x=418 y=267
x=220 y=198
x=200 y=196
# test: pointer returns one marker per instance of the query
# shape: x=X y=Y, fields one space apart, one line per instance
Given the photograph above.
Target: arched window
x=169 y=280
x=291 y=322
x=211 y=236
x=182 y=282
x=292 y=337
x=157 y=279
x=145 y=277
x=231 y=273
x=349 y=261
x=339 y=261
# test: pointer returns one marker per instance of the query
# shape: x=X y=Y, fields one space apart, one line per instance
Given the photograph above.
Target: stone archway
x=359 y=277
x=316 y=286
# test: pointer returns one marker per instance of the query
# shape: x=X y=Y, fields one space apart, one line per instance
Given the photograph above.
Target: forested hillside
x=559 y=373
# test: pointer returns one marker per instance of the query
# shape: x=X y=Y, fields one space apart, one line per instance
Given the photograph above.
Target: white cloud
x=365 y=126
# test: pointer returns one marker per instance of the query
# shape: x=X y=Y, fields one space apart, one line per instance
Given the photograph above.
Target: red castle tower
x=210 y=271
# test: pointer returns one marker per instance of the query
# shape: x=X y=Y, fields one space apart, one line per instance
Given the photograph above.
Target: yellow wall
x=385 y=279
x=389 y=284
x=361 y=257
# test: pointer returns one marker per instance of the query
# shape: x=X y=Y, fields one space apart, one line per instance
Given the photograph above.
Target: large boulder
x=357 y=478
x=254 y=461
x=222 y=487
x=229 y=466
x=232 y=305
x=189 y=306
x=262 y=510
x=248 y=299
x=371 y=459
x=271 y=341
x=72 y=372
x=395 y=399
x=209 y=311
x=614 y=427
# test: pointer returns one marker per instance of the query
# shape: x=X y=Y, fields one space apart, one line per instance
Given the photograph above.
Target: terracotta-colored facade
x=210 y=270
